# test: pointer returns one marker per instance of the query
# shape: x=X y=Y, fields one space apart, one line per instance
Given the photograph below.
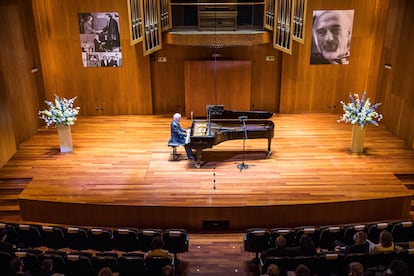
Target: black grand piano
x=222 y=125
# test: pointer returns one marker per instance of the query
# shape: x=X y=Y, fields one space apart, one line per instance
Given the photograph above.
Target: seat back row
x=99 y=239
x=260 y=239
x=86 y=264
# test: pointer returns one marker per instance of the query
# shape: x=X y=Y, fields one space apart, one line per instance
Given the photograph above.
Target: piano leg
x=198 y=158
x=269 y=146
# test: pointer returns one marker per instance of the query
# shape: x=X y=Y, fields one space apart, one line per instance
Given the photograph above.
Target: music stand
x=242 y=165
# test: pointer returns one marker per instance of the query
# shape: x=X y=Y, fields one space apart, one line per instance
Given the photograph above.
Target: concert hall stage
x=121 y=173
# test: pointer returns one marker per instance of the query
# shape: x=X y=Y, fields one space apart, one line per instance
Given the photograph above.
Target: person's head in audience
x=273 y=270
x=16 y=266
x=105 y=271
x=356 y=269
x=157 y=243
x=397 y=267
x=306 y=244
x=46 y=267
x=280 y=242
x=360 y=237
x=302 y=270
x=385 y=238
x=167 y=270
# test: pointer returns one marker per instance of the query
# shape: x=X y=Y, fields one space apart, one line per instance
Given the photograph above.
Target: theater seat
x=125 y=239
x=132 y=265
x=175 y=241
x=78 y=238
x=256 y=240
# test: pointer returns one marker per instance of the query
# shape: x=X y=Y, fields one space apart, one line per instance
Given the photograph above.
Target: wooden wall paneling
x=103 y=90
x=7 y=139
x=398 y=103
x=323 y=86
x=18 y=56
x=217 y=82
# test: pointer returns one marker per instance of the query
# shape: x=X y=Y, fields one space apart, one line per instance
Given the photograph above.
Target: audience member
x=386 y=243
x=46 y=267
x=157 y=244
x=167 y=270
x=272 y=270
x=361 y=244
x=397 y=267
x=278 y=250
x=105 y=271
x=302 y=270
x=356 y=269
x=16 y=267
x=306 y=247
x=5 y=245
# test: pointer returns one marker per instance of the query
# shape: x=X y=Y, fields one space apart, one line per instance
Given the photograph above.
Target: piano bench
x=174 y=153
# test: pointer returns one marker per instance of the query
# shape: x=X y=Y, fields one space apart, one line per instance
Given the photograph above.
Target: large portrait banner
x=100 y=40
x=331 y=36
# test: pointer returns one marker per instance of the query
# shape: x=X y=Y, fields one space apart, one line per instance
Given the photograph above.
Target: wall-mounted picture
x=100 y=40
x=331 y=36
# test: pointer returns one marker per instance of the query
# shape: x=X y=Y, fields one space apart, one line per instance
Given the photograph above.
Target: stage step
x=10 y=188
x=408 y=181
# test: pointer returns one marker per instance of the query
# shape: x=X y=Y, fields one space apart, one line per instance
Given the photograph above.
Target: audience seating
x=176 y=241
x=288 y=233
x=5 y=259
x=53 y=237
x=330 y=264
x=29 y=236
x=78 y=265
x=350 y=230
x=59 y=264
x=155 y=264
x=125 y=239
x=30 y=261
x=256 y=240
x=145 y=237
x=407 y=255
x=12 y=235
x=312 y=231
x=310 y=261
x=100 y=239
x=328 y=235
x=375 y=229
x=104 y=260
x=131 y=265
x=78 y=238
x=284 y=264
x=403 y=231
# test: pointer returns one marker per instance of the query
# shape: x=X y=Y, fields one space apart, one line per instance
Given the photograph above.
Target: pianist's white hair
x=177 y=117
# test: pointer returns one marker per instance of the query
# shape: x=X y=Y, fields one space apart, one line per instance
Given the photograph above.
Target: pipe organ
x=149 y=18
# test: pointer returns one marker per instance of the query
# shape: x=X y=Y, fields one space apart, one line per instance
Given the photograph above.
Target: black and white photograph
x=331 y=36
x=100 y=39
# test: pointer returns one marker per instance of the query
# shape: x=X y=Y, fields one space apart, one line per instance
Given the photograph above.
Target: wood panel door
x=226 y=82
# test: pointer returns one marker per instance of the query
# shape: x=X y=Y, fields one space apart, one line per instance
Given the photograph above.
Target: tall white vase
x=358 y=137
x=65 y=138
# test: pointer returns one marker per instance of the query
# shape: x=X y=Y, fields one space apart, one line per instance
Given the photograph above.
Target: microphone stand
x=242 y=165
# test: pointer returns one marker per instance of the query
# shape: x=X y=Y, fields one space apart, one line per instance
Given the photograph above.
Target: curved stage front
x=121 y=173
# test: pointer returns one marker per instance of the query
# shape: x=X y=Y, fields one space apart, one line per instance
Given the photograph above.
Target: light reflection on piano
x=207 y=133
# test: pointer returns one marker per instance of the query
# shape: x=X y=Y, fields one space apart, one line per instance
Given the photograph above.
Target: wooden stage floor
x=120 y=173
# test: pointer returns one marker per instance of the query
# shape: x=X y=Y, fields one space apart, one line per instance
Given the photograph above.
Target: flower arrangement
x=60 y=112
x=359 y=111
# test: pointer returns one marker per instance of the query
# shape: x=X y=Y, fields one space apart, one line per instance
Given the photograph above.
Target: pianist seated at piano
x=179 y=135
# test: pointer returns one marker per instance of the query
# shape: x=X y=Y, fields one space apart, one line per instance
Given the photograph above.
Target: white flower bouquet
x=359 y=111
x=60 y=112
